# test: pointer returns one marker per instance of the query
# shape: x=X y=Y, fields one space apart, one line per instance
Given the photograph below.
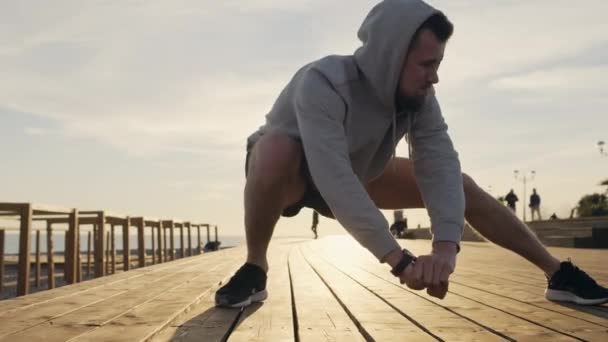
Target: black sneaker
x=246 y=286
x=571 y=284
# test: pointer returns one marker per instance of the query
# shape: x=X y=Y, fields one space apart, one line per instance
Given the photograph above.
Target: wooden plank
x=272 y=321
x=23 y=276
x=48 y=209
x=588 y=314
x=37 y=271
x=50 y=263
x=185 y=310
x=444 y=324
x=319 y=315
x=375 y=319
x=1 y=259
x=126 y=248
x=499 y=321
x=65 y=320
x=10 y=307
x=102 y=313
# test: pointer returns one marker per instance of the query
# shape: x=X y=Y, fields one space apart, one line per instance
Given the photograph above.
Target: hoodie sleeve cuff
x=450 y=233
x=383 y=245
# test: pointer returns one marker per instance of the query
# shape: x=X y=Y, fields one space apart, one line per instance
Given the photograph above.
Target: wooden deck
x=325 y=290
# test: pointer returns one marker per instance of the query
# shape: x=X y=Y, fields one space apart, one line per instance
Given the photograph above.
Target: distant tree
x=605 y=183
x=593 y=205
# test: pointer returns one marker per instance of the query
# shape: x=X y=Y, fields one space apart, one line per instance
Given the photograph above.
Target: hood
x=386 y=34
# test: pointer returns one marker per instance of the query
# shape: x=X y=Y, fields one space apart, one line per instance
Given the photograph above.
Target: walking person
x=511 y=199
x=535 y=205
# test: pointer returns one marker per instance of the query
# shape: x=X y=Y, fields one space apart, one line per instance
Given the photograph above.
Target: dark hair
x=439 y=24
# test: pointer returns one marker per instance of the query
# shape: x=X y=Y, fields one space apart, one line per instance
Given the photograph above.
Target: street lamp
x=525 y=177
x=600 y=146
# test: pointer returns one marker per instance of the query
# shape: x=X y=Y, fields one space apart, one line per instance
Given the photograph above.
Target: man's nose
x=434 y=78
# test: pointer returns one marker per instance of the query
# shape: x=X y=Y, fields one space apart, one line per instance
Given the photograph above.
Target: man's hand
x=432 y=271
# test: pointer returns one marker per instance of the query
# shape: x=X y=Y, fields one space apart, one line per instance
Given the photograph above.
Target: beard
x=409 y=103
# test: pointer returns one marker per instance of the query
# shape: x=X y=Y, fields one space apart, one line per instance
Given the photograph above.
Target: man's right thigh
x=276 y=159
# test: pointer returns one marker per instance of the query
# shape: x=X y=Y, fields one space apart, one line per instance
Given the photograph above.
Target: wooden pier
x=319 y=290
x=101 y=254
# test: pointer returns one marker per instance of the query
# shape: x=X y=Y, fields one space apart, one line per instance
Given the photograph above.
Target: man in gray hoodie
x=329 y=144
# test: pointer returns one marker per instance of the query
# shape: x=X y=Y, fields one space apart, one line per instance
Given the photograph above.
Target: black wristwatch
x=407 y=259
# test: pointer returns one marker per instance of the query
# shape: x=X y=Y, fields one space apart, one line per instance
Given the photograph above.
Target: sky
x=143 y=107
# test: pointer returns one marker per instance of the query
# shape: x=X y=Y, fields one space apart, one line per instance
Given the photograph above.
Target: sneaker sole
x=565 y=296
x=256 y=297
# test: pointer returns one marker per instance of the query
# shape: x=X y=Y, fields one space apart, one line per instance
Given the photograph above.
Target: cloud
x=35 y=131
x=581 y=78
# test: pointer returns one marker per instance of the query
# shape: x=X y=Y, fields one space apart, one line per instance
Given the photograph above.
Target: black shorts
x=311 y=198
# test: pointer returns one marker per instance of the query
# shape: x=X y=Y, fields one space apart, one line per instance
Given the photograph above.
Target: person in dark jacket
x=535 y=205
x=511 y=198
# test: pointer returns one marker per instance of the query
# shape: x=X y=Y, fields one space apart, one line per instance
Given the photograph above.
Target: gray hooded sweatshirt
x=343 y=110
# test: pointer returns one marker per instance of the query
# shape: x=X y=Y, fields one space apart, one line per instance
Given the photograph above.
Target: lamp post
x=600 y=146
x=524 y=177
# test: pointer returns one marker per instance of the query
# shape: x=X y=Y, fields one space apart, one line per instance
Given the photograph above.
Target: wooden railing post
x=99 y=246
x=198 y=246
x=172 y=236
x=1 y=260
x=37 y=271
x=89 y=254
x=189 y=238
x=166 y=247
x=153 y=245
x=107 y=264
x=160 y=242
x=66 y=257
x=141 y=247
x=50 y=263
x=113 y=243
x=72 y=249
x=126 y=248
x=182 y=249
x=25 y=230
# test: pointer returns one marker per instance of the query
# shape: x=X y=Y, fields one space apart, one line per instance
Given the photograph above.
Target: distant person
x=535 y=205
x=511 y=198
x=329 y=143
x=315 y=223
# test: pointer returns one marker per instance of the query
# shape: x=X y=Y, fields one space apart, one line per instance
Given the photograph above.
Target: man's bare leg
x=273 y=183
x=396 y=189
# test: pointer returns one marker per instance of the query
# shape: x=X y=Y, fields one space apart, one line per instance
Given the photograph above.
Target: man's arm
x=438 y=173
x=439 y=178
x=320 y=113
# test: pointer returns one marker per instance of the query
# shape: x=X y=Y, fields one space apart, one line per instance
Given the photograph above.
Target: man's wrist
x=393 y=257
x=444 y=247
